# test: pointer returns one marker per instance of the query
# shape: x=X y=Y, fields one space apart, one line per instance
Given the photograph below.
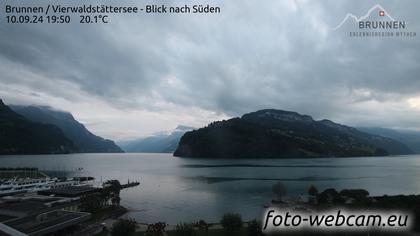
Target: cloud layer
x=144 y=73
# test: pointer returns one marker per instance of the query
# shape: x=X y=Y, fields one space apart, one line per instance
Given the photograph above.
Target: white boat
x=16 y=186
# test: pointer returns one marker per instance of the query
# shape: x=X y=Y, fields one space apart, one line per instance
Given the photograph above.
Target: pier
x=130 y=184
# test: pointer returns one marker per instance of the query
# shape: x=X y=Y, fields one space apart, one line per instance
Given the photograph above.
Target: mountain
x=21 y=136
x=409 y=138
x=86 y=141
x=281 y=134
x=159 y=143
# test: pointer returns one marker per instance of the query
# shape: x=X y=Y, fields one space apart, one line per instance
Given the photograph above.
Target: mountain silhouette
x=283 y=134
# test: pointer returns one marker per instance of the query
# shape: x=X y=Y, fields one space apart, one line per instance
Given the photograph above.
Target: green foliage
x=112 y=184
x=111 y=191
x=279 y=134
x=231 y=222
x=20 y=136
x=92 y=202
x=184 y=229
x=84 y=140
x=279 y=189
x=123 y=227
x=354 y=193
x=313 y=191
x=156 y=229
x=202 y=226
x=254 y=228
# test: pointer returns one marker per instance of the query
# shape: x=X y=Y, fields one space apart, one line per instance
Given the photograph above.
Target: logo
x=381 y=13
x=377 y=23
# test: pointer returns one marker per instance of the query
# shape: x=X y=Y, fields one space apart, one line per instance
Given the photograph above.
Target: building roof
x=48 y=222
x=25 y=207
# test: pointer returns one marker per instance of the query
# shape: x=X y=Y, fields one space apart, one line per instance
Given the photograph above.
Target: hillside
x=282 y=134
x=21 y=136
x=409 y=138
x=85 y=140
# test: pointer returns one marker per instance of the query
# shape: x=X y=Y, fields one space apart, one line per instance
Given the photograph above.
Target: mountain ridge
x=85 y=140
x=410 y=138
x=158 y=143
x=272 y=133
x=21 y=136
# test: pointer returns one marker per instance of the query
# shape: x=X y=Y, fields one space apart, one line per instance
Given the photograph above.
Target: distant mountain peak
x=162 y=142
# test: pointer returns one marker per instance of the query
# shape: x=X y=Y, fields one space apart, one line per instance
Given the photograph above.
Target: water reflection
x=174 y=189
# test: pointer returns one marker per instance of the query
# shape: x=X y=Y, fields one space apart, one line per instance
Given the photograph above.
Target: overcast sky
x=141 y=74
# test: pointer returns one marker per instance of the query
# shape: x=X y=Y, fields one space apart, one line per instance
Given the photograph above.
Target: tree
x=111 y=191
x=115 y=200
x=91 y=202
x=202 y=226
x=231 y=222
x=113 y=185
x=123 y=227
x=354 y=193
x=279 y=189
x=254 y=228
x=156 y=229
x=312 y=191
x=184 y=229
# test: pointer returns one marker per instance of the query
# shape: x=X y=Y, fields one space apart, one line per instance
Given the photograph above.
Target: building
x=48 y=222
x=43 y=215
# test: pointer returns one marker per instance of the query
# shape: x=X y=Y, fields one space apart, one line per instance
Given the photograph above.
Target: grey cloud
x=254 y=55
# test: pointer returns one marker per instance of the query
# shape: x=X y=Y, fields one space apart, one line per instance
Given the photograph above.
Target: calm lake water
x=176 y=189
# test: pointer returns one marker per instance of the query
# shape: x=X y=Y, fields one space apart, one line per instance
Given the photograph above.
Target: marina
x=35 y=203
x=27 y=180
x=191 y=189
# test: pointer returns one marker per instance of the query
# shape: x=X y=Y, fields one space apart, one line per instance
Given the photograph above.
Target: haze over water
x=178 y=189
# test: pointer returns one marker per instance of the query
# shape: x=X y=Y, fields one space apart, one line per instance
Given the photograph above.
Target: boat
x=24 y=185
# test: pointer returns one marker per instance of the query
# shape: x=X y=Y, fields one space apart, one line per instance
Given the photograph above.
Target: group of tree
x=232 y=225
x=123 y=227
x=279 y=189
x=111 y=190
x=108 y=196
x=331 y=195
x=156 y=229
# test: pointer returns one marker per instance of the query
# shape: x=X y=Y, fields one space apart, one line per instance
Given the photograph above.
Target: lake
x=177 y=189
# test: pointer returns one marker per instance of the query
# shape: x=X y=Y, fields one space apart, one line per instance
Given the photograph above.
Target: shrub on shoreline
x=231 y=222
x=184 y=229
x=123 y=227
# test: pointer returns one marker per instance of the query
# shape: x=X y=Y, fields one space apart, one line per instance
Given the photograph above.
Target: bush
x=312 y=191
x=156 y=229
x=354 y=193
x=183 y=229
x=280 y=190
x=254 y=228
x=202 y=226
x=231 y=222
x=123 y=227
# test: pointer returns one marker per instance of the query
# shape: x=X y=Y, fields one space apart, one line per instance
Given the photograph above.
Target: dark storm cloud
x=254 y=55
